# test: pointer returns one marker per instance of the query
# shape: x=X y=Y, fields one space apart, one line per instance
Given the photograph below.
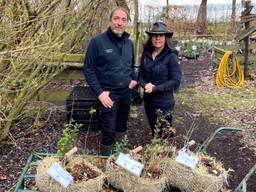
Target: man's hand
x=149 y=87
x=132 y=84
x=105 y=99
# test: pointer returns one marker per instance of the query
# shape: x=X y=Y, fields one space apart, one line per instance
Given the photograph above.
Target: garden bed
x=230 y=148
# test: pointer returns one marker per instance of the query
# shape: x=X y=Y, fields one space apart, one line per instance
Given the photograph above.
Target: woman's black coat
x=164 y=72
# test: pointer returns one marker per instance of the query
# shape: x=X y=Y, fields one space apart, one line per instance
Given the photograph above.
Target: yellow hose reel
x=227 y=75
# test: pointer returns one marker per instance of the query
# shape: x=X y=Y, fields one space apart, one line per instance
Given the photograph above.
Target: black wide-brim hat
x=160 y=28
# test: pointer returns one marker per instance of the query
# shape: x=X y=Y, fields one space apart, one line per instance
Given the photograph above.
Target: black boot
x=106 y=150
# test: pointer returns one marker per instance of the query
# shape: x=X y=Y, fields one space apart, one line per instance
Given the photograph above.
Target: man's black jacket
x=109 y=62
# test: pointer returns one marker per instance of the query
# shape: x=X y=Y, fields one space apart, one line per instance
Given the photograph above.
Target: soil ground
x=227 y=148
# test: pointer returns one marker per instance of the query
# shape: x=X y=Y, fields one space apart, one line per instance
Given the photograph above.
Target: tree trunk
x=201 y=21
x=233 y=17
x=136 y=31
x=167 y=10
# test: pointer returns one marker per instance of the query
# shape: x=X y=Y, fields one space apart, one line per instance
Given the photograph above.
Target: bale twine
x=127 y=182
x=46 y=184
x=193 y=180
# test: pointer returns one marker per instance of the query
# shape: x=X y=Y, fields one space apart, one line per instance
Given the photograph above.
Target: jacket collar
x=113 y=36
x=149 y=50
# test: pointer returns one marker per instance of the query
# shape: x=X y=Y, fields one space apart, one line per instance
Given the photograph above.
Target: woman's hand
x=149 y=87
x=132 y=84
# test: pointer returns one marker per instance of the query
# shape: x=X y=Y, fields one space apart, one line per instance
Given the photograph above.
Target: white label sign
x=60 y=175
x=177 y=48
x=194 y=47
x=129 y=164
x=186 y=159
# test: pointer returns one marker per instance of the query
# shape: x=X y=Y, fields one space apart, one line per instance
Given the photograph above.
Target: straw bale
x=46 y=184
x=127 y=182
x=158 y=151
x=192 y=180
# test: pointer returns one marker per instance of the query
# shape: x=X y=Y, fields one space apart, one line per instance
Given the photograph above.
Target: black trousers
x=151 y=112
x=115 y=119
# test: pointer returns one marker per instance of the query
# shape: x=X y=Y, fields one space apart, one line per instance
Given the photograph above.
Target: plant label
x=129 y=164
x=186 y=159
x=194 y=47
x=60 y=175
x=177 y=48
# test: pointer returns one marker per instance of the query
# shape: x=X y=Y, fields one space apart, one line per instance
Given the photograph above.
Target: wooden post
x=246 y=40
x=246 y=18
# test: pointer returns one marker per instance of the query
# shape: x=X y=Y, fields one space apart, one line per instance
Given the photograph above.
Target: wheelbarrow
x=242 y=187
x=204 y=146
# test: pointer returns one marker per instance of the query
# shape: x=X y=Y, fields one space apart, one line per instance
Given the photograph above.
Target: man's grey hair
x=122 y=9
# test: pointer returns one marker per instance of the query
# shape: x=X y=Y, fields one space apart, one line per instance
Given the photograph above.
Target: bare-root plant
x=189 y=131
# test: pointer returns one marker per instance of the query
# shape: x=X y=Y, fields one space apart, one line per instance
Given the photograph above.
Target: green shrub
x=68 y=138
x=122 y=146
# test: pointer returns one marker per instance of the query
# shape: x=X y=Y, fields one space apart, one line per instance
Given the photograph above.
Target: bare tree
x=33 y=33
x=201 y=21
x=233 y=17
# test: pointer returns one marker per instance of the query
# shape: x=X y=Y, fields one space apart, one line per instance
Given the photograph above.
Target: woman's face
x=158 y=40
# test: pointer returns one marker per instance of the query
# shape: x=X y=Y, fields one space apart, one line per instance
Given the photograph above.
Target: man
x=108 y=69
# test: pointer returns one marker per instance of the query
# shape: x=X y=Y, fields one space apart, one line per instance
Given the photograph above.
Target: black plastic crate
x=79 y=103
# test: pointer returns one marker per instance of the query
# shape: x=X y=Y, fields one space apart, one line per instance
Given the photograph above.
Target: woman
x=160 y=75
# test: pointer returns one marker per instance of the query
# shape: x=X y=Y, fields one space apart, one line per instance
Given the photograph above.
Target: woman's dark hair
x=167 y=43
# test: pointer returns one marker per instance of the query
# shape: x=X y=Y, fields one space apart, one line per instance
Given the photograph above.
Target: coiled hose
x=227 y=76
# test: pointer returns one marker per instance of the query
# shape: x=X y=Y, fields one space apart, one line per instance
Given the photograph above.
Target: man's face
x=118 y=22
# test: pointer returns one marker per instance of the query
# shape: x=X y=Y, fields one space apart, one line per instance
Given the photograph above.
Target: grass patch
x=219 y=105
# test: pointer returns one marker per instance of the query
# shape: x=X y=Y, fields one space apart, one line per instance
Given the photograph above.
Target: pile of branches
x=31 y=33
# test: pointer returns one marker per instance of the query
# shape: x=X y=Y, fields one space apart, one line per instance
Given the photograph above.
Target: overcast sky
x=182 y=2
